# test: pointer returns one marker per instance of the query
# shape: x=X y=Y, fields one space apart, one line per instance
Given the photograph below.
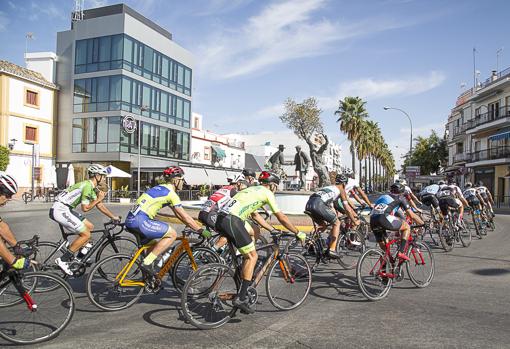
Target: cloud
x=96 y=3
x=48 y=10
x=12 y=5
x=4 y=21
x=282 y=31
x=215 y=7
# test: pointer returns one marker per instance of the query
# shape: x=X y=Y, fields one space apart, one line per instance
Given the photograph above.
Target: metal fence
x=502 y=201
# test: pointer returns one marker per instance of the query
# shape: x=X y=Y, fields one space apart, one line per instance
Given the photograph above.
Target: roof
x=24 y=73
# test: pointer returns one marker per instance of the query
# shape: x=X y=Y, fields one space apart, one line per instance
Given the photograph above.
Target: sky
x=251 y=55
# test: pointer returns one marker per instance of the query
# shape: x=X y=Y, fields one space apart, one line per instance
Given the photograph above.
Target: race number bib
x=380 y=208
x=228 y=206
x=208 y=205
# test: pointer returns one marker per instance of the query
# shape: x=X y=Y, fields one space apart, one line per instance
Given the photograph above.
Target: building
x=123 y=81
x=27 y=119
x=478 y=132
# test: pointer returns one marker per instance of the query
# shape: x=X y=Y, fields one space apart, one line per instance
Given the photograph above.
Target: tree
x=304 y=119
x=429 y=153
x=4 y=158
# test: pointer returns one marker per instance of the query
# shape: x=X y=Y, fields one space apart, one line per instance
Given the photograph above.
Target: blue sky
x=252 y=55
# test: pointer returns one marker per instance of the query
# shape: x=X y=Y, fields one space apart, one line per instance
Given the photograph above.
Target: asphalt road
x=466 y=306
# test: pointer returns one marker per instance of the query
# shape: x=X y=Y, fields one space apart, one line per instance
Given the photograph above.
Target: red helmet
x=173 y=171
x=268 y=177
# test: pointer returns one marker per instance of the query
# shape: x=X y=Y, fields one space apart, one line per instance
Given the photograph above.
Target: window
x=196 y=123
x=31 y=134
x=96 y=135
x=207 y=152
x=31 y=98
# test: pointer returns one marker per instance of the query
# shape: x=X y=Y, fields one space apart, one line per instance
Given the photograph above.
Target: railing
x=458 y=130
x=489 y=116
x=502 y=201
x=493 y=79
x=490 y=154
x=460 y=157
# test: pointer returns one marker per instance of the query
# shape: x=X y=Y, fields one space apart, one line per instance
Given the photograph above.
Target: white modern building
x=27 y=119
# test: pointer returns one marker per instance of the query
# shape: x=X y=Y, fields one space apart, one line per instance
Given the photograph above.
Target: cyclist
x=410 y=195
x=486 y=195
x=428 y=198
x=354 y=190
x=250 y=177
x=472 y=196
x=450 y=195
x=233 y=223
x=389 y=214
x=140 y=220
x=9 y=187
x=319 y=205
x=63 y=211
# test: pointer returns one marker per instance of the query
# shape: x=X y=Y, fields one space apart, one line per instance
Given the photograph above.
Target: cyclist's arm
x=490 y=197
x=185 y=217
x=87 y=205
x=364 y=196
x=415 y=199
x=350 y=212
x=104 y=210
x=416 y=219
x=284 y=220
x=6 y=233
x=6 y=254
x=261 y=221
x=357 y=198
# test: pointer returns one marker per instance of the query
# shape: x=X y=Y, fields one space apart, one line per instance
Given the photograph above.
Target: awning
x=116 y=172
x=219 y=152
x=194 y=175
x=500 y=136
x=217 y=177
x=232 y=173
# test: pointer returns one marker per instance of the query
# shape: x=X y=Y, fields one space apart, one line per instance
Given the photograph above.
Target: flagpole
x=474 y=68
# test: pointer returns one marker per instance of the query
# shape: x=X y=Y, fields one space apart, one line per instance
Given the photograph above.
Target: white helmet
x=97 y=169
x=8 y=185
x=238 y=178
x=230 y=178
x=401 y=181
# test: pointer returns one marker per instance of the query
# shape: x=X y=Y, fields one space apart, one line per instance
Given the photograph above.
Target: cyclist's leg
x=83 y=236
x=377 y=227
x=153 y=229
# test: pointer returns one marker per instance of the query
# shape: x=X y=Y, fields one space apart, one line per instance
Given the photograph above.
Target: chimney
x=44 y=63
x=494 y=75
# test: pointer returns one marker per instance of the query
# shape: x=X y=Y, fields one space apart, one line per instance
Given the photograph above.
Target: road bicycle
x=116 y=282
x=208 y=294
x=378 y=270
x=32 y=312
x=479 y=223
x=109 y=242
x=452 y=230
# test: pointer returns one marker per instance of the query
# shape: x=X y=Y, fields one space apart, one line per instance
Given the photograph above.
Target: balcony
x=491 y=155
x=489 y=119
x=461 y=157
x=459 y=130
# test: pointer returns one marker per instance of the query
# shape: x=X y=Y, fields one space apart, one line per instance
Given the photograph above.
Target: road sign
x=129 y=124
x=415 y=170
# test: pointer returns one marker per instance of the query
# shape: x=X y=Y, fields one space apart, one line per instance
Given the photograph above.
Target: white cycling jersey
x=351 y=184
x=431 y=189
x=470 y=193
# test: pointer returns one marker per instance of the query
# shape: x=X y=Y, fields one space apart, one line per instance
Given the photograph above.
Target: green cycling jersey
x=82 y=192
x=247 y=201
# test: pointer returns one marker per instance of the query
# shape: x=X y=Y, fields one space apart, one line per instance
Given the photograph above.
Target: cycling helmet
x=401 y=181
x=97 y=169
x=397 y=188
x=341 y=178
x=172 y=172
x=237 y=178
x=441 y=182
x=249 y=173
x=230 y=178
x=479 y=184
x=8 y=185
x=267 y=177
x=468 y=185
x=348 y=172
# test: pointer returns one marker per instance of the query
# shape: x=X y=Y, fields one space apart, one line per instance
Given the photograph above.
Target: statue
x=276 y=161
x=301 y=160
x=317 y=150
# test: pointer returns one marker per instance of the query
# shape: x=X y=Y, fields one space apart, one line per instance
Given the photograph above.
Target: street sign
x=415 y=170
x=129 y=124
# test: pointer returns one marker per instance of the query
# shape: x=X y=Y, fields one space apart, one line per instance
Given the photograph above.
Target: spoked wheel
x=477 y=224
x=39 y=316
x=103 y=288
x=446 y=236
x=183 y=266
x=465 y=235
x=370 y=275
x=420 y=268
x=288 y=281
x=45 y=256
x=118 y=245
x=208 y=294
x=350 y=246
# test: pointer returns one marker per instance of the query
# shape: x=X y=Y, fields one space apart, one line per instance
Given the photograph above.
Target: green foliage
x=4 y=158
x=204 y=190
x=429 y=153
x=302 y=118
x=123 y=192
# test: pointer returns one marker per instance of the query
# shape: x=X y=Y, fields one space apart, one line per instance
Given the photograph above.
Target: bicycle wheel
x=207 y=296
x=103 y=288
x=182 y=268
x=477 y=224
x=465 y=235
x=9 y=295
x=372 y=284
x=350 y=247
x=50 y=313
x=119 y=245
x=288 y=281
x=420 y=268
x=446 y=236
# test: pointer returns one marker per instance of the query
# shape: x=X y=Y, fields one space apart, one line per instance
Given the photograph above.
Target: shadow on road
x=491 y=271
x=336 y=286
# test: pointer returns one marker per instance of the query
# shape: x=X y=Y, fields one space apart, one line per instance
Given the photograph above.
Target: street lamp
x=410 y=123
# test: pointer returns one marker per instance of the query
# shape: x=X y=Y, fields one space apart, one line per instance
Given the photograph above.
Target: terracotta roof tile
x=16 y=70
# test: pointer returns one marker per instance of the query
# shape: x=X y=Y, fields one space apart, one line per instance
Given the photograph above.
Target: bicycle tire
x=300 y=272
x=376 y=280
x=348 y=252
x=10 y=297
x=130 y=247
x=446 y=237
x=477 y=224
x=100 y=275
x=48 y=324
x=465 y=235
x=196 y=297
x=44 y=250
x=180 y=272
x=416 y=252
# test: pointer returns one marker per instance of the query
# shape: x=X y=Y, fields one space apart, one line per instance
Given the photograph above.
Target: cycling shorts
x=208 y=218
x=68 y=218
x=379 y=223
x=430 y=200
x=236 y=231
x=147 y=228
x=320 y=211
x=445 y=203
x=473 y=201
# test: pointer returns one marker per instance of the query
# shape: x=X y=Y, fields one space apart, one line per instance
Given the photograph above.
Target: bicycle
x=478 y=222
x=377 y=270
x=431 y=226
x=116 y=282
x=35 y=314
x=452 y=230
x=108 y=243
x=207 y=296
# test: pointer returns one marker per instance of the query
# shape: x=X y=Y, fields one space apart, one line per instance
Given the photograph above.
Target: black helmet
x=479 y=184
x=468 y=185
x=341 y=178
x=397 y=188
x=248 y=172
x=268 y=177
x=441 y=182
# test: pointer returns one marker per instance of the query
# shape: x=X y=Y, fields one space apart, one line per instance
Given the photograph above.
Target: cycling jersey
x=430 y=190
x=247 y=201
x=470 y=194
x=389 y=205
x=483 y=191
x=82 y=192
x=327 y=194
x=155 y=198
x=219 y=198
x=351 y=185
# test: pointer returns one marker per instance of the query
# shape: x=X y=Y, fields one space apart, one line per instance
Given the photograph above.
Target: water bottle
x=84 y=250
x=164 y=258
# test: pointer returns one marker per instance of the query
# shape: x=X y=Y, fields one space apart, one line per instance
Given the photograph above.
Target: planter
x=125 y=201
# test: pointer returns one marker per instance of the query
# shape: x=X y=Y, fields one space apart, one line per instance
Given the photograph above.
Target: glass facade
x=104 y=134
x=116 y=92
x=122 y=51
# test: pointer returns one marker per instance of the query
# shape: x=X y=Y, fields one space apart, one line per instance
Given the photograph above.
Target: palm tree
x=352 y=114
x=374 y=138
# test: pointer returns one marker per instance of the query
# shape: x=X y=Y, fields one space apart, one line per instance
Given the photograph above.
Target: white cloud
x=215 y=7
x=12 y=5
x=48 y=10
x=96 y=3
x=4 y=21
x=282 y=31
